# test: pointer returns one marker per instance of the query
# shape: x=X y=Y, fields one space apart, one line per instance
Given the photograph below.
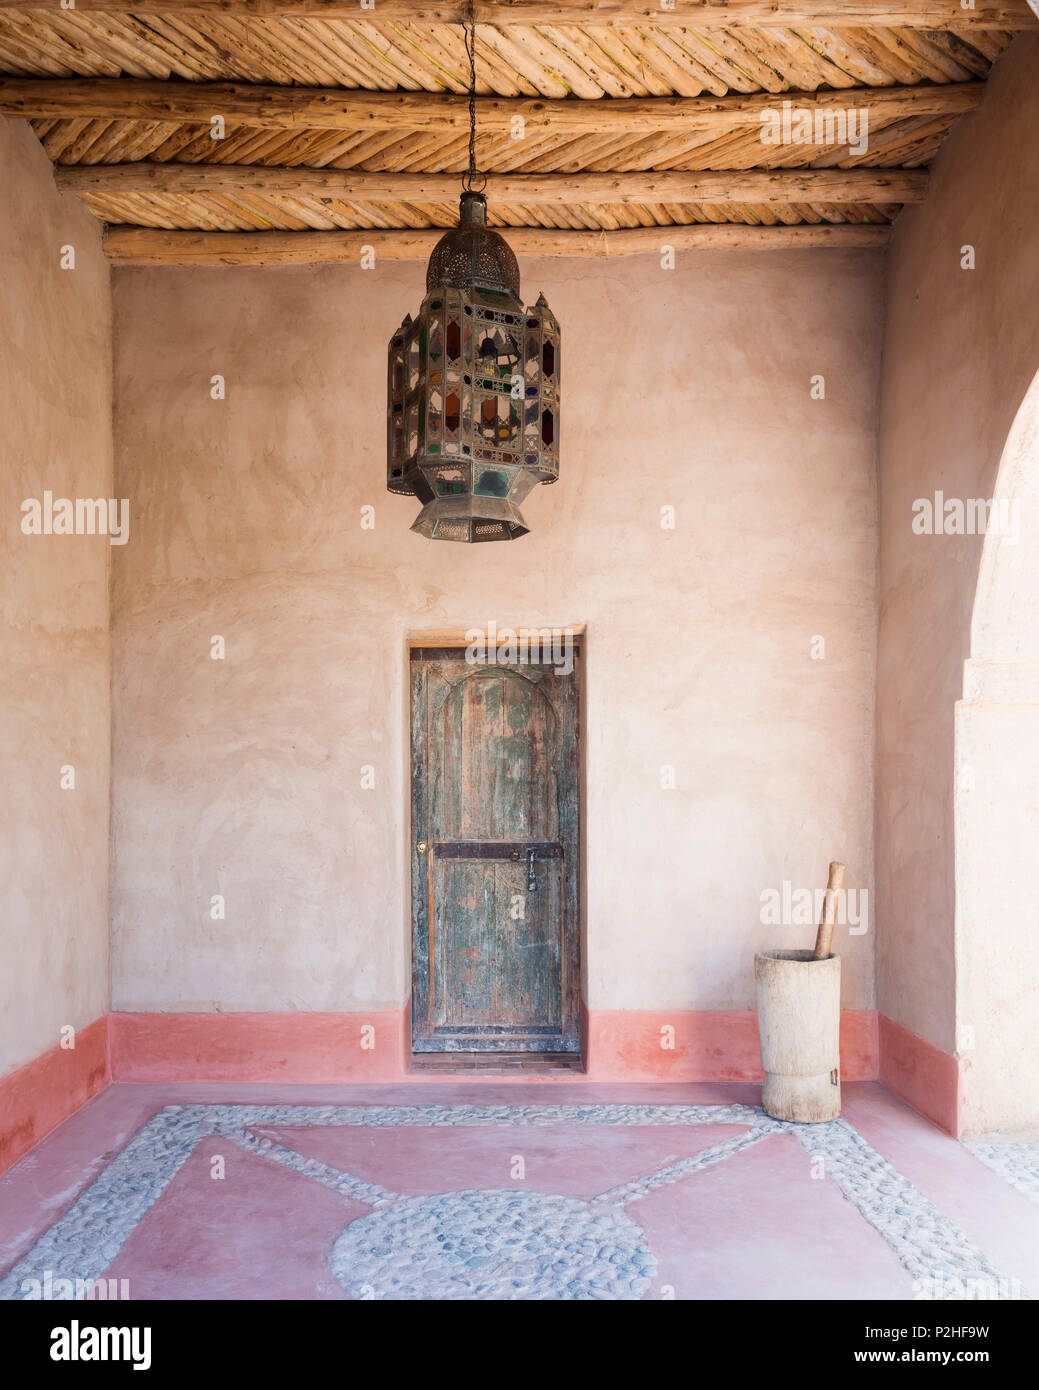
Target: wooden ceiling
x=345 y=122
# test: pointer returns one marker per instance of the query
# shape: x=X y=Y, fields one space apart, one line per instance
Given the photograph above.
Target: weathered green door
x=495 y=791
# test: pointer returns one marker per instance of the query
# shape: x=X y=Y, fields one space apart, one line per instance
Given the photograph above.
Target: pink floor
x=771 y=1220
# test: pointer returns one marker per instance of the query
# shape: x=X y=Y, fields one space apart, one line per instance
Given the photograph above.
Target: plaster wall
x=241 y=777
x=960 y=348
x=55 y=404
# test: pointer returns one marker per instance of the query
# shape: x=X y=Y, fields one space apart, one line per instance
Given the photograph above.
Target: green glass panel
x=492 y=482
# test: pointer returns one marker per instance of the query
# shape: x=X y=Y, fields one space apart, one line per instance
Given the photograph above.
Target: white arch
x=997 y=805
x=1005 y=622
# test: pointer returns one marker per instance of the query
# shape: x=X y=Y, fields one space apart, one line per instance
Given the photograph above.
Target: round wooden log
x=824 y=936
x=799 y=1009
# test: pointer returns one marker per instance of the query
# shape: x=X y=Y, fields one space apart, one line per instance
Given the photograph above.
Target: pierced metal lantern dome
x=473 y=419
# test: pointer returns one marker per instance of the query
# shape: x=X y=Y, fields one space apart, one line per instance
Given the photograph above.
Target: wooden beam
x=331 y=108
x=354 y=185
x=155 y=246
x=700 y=14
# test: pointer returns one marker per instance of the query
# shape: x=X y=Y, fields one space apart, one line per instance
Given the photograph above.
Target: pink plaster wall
x=55 y=376
x=39 y=1096
x=291 y=1047
x=960 y=349
x=721 y=1046
x=930 y=1079
x=242 y=777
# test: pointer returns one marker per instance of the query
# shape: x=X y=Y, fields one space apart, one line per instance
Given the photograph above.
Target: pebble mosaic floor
x=1014 y=1156
x=484 y=1208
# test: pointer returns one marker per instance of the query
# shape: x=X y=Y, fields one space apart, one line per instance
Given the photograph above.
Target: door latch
x=532 y=882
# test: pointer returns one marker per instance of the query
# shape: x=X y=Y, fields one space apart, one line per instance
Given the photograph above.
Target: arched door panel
x=495 y=856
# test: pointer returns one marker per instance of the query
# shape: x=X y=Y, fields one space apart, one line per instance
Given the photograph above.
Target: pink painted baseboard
x=620 y=1045
x=921 y=1074
x=299 y=1047
x=37 y=1097
x=717 y=1045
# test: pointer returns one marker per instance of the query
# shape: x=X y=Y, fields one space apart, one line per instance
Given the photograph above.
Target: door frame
x=458 y=637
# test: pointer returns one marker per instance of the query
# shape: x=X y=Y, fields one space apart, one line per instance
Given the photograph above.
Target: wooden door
x=495 y=788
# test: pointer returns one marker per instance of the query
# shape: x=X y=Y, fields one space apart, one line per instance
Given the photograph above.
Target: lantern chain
x=472 y=176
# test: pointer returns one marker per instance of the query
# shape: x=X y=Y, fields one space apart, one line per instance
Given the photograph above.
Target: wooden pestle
x=824 y=936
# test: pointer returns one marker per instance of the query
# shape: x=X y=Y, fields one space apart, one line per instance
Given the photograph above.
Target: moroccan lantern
x=473 y=413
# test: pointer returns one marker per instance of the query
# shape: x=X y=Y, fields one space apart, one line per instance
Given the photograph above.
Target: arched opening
x=997 y=804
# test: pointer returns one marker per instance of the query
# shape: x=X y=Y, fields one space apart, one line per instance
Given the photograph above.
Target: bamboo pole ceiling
x=598 y=120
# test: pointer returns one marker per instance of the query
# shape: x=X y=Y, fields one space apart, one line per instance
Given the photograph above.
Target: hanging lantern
x=473 y=414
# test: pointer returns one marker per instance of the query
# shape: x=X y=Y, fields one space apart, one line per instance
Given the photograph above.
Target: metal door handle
x=532 y=882
x=422 y=847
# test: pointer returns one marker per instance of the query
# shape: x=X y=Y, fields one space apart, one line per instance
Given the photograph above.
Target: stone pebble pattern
x=524 y=1244
x=492 y=1244
x=1014 y=1157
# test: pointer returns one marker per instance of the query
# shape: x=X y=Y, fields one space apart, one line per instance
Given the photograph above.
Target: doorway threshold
x=496 y=1063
